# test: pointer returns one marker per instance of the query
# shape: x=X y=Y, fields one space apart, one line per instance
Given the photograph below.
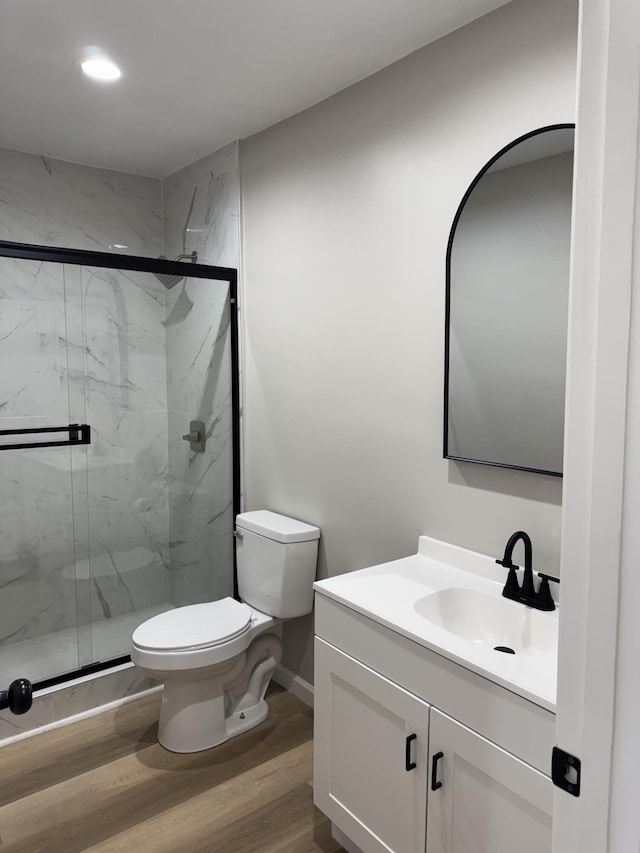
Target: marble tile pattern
x=123 y=392
x=40 y=658
x=54 y=203
x=126 y=485
x=85 y=345
x=36 y=529
x=36 y=541
x=135 y=520
x=84 y=533
x=201 y=209
x=201 y=212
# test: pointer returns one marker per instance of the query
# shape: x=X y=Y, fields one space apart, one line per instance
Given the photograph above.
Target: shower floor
x=55 y=654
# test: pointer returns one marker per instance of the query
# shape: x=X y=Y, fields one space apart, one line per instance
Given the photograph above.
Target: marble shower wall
x=120 y=385
x=83 y=345
x=55 y=203
x=150 y=523
x=201 y=212
x=36 y=521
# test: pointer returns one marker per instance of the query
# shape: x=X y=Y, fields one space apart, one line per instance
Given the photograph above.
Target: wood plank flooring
x=105 y=784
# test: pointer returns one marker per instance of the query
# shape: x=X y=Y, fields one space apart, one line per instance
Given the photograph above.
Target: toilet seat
x=194 y=627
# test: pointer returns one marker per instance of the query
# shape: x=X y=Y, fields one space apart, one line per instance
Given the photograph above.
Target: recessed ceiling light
x=100 y=67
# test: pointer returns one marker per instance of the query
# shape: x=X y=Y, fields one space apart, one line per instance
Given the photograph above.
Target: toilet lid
x=194 y=627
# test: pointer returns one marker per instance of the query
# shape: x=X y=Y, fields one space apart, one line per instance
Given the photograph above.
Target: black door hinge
x=565 y=771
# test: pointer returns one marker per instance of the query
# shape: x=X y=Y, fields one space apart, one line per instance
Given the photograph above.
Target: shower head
x=170 y=280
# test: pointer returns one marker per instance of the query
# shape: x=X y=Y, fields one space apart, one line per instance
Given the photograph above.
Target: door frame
x=598 y=683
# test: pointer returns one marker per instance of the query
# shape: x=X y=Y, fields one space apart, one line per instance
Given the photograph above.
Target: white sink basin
x=489 y=621
x=449 y=600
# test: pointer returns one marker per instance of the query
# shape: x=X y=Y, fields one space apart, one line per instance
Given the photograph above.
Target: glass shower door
x=39 y=608
x=160 y=515
x=97 y=538
x=199 y=388
x=125 y=578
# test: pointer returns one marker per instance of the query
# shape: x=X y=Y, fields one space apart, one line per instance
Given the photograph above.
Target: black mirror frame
x=447 y=314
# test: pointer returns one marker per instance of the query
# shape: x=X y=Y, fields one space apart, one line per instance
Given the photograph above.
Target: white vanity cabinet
x=485 y=799
x=370 y=767
x=384 y=704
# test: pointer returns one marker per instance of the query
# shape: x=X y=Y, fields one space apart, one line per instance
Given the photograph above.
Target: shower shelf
x=78 y=434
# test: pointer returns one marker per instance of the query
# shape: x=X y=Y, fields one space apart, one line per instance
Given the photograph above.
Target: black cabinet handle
x=408 y=763
x=434 y=771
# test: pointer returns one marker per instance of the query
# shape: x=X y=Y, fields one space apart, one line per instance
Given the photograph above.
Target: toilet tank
x=276 y=561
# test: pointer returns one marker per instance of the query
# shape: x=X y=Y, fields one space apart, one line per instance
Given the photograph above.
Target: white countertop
x=387 y=593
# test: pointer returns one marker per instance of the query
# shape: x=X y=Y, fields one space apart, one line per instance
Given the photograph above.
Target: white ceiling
x=196 y=73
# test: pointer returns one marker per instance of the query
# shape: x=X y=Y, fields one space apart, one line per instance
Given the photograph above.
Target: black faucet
x=526 y=593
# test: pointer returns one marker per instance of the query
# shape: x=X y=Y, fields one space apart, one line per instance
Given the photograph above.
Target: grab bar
x=78 y=434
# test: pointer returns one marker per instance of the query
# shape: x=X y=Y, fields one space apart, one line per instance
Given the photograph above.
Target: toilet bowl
x=216 y=659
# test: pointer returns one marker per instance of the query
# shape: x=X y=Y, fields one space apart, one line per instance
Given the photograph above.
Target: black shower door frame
x=83 y=257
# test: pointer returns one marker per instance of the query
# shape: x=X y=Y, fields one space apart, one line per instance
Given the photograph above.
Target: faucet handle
x=547 y=577
x=511 y=587
x=544 y=599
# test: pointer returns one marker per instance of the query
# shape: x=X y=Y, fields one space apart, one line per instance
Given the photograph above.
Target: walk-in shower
x=107 y=516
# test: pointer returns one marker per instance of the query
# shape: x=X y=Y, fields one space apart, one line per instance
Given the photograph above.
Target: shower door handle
x=78 y=434
x=196 y=436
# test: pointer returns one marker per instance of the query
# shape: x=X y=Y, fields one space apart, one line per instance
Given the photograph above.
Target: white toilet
x=216 y=659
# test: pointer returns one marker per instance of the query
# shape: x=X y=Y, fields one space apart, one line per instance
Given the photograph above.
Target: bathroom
x=337 y=220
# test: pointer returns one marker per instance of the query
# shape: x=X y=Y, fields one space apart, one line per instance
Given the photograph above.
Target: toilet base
x=247 y=719
x=183 y=741
x=192 y=717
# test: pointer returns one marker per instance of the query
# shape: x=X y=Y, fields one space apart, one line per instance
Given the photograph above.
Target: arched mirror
x=506 y=310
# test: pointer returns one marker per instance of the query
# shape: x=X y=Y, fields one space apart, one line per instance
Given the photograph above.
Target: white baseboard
x=83 y=715
x=294 y=684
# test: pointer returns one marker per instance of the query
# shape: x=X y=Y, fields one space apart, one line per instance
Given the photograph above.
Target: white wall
x=346 y=212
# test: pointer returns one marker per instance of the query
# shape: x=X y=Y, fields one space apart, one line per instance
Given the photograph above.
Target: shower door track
x=84 y=257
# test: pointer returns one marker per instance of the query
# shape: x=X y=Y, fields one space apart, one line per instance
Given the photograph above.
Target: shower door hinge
x=565 y=771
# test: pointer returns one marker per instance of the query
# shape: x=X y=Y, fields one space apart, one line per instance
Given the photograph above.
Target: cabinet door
x=370 y=756
x=485 y=799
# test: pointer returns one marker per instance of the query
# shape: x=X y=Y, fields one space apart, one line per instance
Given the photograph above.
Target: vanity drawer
x=522 y=728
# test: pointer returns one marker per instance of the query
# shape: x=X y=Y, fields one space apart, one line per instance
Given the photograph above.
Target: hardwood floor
x=105 y=784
